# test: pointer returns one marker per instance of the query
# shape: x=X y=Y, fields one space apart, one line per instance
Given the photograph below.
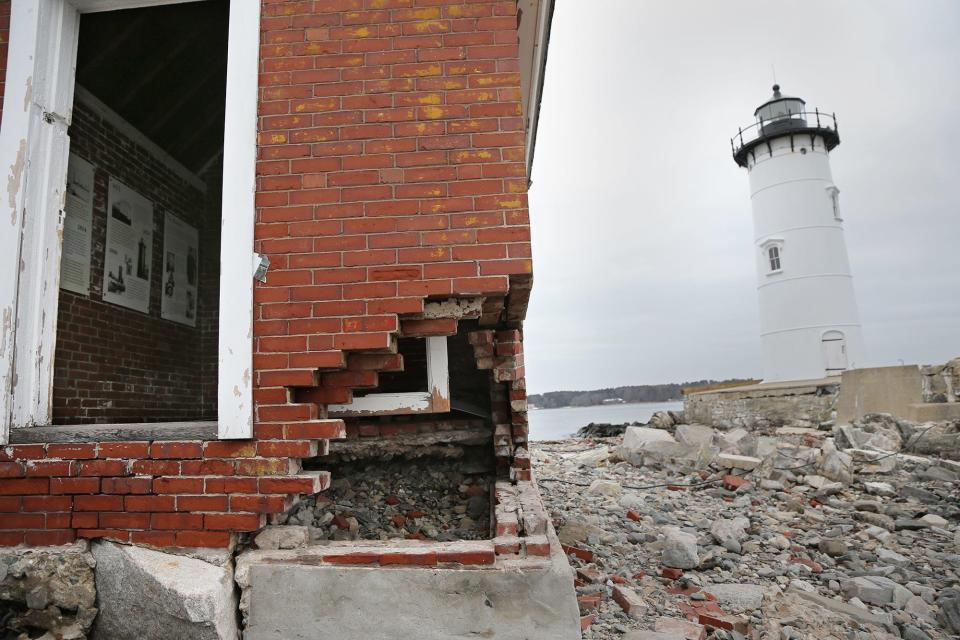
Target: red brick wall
x=390 y=171
x=114 y=364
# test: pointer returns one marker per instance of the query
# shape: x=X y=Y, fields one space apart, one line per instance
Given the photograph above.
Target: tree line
x=633 y=393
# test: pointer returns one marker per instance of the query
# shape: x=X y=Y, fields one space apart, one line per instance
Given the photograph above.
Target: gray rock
x=600 y=487
x=730 y=533
x=838 y=606
x=880 y=488
x=949 y=616
x=282 y=537
x=872 y=589
x=919 y=494
x=911 y=632
x=679 y=549
x=56 y=586
x=737 y=597
x=892 y=557
x=149 y=595
x=836 y=465
x=694 y=435
x=832 y=547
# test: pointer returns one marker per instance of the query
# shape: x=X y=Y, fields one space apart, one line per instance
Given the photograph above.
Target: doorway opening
x=137 y=320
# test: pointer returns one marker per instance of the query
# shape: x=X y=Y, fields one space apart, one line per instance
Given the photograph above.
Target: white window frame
x=765 y=248
x=34 y=147
x=834 y=194
x=436 y=399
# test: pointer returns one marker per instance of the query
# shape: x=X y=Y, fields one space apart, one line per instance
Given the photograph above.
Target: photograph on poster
x=180 y=242
x=77 y=227
x=129 y=248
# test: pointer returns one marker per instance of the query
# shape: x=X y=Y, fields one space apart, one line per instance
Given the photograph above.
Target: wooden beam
x=116 y=432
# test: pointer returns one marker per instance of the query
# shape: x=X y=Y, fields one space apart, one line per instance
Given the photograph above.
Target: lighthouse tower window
x=834 y=194
x=773 y=253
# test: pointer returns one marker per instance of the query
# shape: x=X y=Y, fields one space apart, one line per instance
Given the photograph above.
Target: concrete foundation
x=804 y=403
x=288 y=598
x=879 y=390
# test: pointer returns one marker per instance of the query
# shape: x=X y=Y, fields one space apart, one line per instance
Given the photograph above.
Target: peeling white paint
x=14 y=179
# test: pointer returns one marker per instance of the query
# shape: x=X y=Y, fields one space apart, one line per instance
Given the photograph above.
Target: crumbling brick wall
x=390 y=173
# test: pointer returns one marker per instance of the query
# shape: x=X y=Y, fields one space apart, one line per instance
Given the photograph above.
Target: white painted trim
x=15 y=133
x=536 y=86
x=435 y=400
x=135 y=135
x=438 y=374
x=94 y=6
x=235 y=371
x=383 y=404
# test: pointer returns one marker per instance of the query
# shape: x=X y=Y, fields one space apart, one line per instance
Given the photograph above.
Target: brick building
x=156 y=388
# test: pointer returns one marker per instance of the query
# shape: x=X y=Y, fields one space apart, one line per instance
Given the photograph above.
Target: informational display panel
x=77 y=227
x=181 y=269
x=129 y=248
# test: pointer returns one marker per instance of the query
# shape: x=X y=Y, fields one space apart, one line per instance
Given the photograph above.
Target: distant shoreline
x=591 y=406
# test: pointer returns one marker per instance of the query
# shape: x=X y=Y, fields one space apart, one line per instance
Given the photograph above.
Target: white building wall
x=812 y=293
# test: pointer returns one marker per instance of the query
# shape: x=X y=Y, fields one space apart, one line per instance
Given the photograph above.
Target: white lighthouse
x=809 y=326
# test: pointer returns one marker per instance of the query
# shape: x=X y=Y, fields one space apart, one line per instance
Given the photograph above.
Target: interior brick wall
x=114 y=364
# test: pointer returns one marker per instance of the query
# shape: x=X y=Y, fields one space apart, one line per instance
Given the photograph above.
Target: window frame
x=37 y=110
x=436 y=399
x=766 y=248
x=834 y=193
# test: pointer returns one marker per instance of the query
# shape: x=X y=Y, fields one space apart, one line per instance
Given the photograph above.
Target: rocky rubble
x=47 y=592
x=431 y=499
x=787 y=534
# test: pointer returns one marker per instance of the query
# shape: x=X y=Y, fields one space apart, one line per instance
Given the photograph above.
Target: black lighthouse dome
x=783 y=115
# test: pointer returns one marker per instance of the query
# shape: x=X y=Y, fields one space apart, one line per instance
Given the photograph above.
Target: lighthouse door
x=834 y=347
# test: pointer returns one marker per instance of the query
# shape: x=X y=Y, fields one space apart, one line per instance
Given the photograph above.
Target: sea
x=550 y=424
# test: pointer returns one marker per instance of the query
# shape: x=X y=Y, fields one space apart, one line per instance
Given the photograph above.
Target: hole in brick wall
x=423 y=498
x=138 y=321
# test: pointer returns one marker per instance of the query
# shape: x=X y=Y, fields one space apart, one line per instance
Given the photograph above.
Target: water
x=549 y=424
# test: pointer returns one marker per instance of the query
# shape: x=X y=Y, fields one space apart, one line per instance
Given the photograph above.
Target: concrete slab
x=512 y=600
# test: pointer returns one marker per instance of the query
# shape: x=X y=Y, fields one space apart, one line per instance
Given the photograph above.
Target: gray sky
x=641 y=220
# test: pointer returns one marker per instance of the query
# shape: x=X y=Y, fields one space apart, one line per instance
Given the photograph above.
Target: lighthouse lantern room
x=809 y=325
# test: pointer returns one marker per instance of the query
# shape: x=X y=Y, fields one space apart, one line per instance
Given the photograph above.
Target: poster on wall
x=129 y=248
x=77 y=227
x=181 y=269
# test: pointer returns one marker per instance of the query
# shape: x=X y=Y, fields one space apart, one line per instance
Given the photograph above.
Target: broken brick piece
x=671 y=573
x=630 y=601
x=734 y=483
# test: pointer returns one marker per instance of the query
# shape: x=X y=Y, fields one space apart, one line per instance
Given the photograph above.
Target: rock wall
x=755 y=407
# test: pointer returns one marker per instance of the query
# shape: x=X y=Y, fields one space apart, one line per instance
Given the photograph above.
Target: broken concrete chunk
x=872 y=589
x=149 y=595
x=731 y=461
x=694 y=435
x=601 y=487
x=679 y=549
x=283 y=537
x=737 y=597
x=838 y=606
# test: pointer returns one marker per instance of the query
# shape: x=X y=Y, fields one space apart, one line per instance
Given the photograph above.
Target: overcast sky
x=641 y=220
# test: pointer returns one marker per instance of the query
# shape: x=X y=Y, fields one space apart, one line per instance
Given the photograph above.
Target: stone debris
x=427 y=499
x=823 y=534
x=47 y=589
